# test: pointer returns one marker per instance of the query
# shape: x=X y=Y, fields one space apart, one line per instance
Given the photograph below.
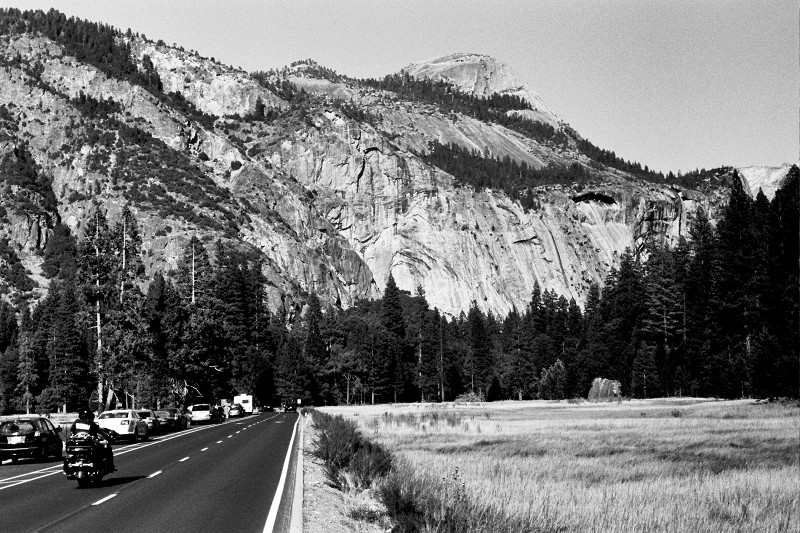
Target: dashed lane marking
x=229 y=436
x=204 y=449
x=219 y=442
x=154 y=474
x=184 y=459
x=98 y=502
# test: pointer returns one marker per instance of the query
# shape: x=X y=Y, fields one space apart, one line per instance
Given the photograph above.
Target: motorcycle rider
x=85 y=424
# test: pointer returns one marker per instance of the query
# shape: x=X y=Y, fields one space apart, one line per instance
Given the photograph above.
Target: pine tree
x=392 y=311
x=314 y=352
x=26 y=367
x=96 y=266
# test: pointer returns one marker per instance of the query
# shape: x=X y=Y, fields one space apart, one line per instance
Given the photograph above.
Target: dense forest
x=717 y=316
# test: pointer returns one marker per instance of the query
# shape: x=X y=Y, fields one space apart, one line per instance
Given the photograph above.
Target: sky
x=673 y=84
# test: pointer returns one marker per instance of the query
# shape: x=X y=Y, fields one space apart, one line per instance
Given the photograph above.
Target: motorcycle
x=85 y=459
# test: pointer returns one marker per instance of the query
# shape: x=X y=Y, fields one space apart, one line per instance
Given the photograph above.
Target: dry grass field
x=672 y=465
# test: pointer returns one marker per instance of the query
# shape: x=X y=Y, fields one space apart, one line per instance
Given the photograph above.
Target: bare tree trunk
x=124 y=252
x=193 y=274
x=99 y=355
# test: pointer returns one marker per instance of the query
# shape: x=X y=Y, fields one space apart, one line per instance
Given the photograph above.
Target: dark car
x=153 y=422
x=173 y=418
x=289 y=408
x=236 y=411
x=29 y=436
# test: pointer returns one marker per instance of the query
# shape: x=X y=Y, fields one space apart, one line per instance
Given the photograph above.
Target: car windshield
x=122 y=414
x=162 y=413
x=18 y=426
x=201 y=407
x=144 y=414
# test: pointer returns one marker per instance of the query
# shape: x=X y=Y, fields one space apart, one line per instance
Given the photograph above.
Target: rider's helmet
x=86 y=414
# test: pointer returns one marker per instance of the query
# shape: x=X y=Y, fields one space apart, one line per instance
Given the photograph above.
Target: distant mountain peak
x=482 y=75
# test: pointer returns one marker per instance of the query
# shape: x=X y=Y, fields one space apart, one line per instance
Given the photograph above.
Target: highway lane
x=209 y=478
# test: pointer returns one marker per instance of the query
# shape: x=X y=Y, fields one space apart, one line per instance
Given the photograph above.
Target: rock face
x=768 y=179
x=482 y=75
x=332 y=204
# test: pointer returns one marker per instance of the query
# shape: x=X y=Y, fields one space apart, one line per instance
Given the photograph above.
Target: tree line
x=471 y=167
x=714 y=316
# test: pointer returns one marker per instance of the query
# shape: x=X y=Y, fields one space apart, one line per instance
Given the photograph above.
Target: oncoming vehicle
x=29 y=436
x=124 y=424
x=200 y=412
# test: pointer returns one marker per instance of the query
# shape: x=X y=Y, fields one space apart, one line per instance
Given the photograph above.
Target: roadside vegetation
x=669 y=465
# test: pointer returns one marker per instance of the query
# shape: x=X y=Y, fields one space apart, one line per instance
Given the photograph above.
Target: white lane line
x=238 y=432
x=98 y=502
x=204 y=449
x=219 y=442
x=269 y=526
x=229 y=436
x=154 y=474
x=184 y=459
x=21 y=481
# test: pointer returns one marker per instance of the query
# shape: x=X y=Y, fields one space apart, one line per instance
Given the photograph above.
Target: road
x=211 y=478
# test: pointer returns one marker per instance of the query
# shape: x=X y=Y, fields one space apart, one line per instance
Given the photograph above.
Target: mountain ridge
x=323 y=179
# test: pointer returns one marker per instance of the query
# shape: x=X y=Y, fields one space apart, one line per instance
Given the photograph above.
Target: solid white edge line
x=296 y=521
x=154 y=474
x=269 y=526
x=98 y=502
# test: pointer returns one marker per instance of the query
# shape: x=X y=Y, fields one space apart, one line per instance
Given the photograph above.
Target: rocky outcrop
x=768 y=179
x=482 y=75
x=212 y=87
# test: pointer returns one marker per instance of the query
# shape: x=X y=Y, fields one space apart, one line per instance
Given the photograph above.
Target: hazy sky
x=674 y=84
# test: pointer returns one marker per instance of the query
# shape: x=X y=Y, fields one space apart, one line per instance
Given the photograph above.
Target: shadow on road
x=115 y=481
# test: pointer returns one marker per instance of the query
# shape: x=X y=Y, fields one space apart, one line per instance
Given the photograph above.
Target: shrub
x=348 y=458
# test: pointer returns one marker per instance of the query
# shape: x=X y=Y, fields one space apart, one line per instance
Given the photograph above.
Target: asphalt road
x=211 y=478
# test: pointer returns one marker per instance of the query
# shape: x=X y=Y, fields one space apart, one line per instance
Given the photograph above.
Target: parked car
x=29 y=436
x=125 y=424
x=173 y=418
x=236 y=411
x=153 y=422
x=200 y=412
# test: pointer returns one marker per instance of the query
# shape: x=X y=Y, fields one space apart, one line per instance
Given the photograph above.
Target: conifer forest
x=714 y=316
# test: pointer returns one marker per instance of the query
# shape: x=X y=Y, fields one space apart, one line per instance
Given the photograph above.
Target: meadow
x=671 y=465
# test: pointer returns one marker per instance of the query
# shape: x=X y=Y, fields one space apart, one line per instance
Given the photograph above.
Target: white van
x=246 y=401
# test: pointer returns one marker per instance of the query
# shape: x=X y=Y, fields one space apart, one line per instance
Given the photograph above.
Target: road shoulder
x=326 y=509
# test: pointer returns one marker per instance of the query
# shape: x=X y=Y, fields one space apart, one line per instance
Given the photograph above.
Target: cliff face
x=460 y=244
x=331 y=204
